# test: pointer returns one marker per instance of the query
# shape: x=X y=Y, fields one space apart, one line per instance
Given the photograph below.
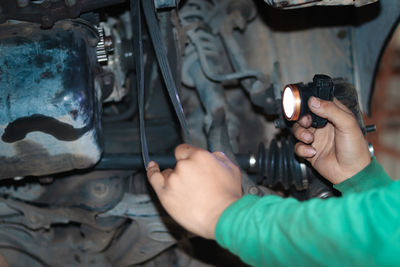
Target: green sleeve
x=372 y=176
x=354 y=230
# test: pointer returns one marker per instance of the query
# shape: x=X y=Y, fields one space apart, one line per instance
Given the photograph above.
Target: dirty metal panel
x=307 y=52
x=369 y=42
x=49 y=106
x=339 y=41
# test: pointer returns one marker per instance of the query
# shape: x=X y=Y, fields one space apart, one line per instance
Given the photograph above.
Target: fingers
x=222 y=157
x=330 y=110
x=301 y=130
x=305 y=121
x=152 y=168
x=184 y=151
x=304 y=151
x=302 y=134
x=167 y=173
x=155 y=177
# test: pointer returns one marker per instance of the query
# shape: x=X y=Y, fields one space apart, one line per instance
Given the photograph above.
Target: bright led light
x=288 y=102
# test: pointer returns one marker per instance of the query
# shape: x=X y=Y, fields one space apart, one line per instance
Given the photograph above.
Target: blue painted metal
x=49 y=104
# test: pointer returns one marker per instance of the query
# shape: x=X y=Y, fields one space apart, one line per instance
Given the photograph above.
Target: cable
x=138 y=52
x=161 y=55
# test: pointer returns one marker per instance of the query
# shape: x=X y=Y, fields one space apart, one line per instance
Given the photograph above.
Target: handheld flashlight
x=295 y=98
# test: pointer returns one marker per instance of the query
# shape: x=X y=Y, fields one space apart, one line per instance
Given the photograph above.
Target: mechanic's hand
x=338 y=150
x=198 y=190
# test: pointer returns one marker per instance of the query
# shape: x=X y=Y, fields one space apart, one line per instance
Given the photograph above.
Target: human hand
x=198 y=190
x=338 y=150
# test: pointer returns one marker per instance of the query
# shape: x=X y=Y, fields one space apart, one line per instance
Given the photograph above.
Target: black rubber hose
x=135 y=161
x=89 y=5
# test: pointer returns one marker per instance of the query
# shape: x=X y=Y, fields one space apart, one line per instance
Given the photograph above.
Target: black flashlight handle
x=324 y=89
x=321 y=87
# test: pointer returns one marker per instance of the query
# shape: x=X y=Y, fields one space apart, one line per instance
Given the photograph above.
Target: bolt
x=253 y=190
x=70 y=3
x=100 y=190
x=108 y=44
x=370 y=128
x=23 y=3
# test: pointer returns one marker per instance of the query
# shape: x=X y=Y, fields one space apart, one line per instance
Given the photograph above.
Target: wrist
x=213 y=217
x=353 y=170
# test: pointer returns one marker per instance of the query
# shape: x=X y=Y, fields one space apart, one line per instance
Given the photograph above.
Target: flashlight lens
x=288 y=102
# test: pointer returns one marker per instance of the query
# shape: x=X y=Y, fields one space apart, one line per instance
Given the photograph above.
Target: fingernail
x=151 y=164
x=304 y=119
x=306 y=137
x=311 y=151
x=315 y=103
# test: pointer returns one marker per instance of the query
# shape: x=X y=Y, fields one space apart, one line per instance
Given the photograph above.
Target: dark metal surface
x=51 y=107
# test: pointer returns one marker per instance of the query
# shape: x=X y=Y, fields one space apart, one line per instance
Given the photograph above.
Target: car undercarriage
x=92 y=90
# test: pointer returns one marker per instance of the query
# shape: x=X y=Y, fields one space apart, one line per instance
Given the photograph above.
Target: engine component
x=295 y=98
x=101 y=50
x=120 y=63
x=52 y=112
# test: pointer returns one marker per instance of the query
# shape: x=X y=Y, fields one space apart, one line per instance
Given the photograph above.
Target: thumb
x=340 y=118
x=155 y=177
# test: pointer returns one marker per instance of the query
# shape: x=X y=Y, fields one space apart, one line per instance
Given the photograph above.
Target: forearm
x=358 y=229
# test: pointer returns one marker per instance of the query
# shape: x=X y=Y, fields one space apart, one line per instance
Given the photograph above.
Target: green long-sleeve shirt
x=361 y=228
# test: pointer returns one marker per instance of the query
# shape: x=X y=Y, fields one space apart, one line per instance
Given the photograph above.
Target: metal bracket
x=161 y=4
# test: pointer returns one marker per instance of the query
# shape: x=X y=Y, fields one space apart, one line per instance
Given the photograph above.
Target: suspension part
x=279 y=165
